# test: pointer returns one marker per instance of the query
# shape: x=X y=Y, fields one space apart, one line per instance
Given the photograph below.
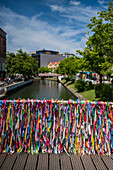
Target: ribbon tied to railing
x=54 y=126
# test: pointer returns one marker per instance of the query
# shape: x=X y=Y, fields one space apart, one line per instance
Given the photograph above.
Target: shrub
x=80 y=85
x=107 y=92
x=104 y=92
x=98 y=88
x=67 y=79
x=89 y=86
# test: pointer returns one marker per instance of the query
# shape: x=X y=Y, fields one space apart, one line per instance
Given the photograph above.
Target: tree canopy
x=44 y=70
x=21 y=63
x=69 y=66
x=98 y=55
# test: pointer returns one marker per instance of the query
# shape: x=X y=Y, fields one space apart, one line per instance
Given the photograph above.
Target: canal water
x=41 y=89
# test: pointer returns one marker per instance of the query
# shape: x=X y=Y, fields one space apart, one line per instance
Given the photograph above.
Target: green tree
x=69 y=66
x=47 y=70
x=41 y=70
x=98 y=55
x=44 y=70
x=21 y=63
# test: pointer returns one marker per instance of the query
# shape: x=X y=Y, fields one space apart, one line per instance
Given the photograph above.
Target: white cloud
x=57 y=8
x=65 y=34
x=31 y=33
x=79 y=13
x=101 y=2
x=74 y=2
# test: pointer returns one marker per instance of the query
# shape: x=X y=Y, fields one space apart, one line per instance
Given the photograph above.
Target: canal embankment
x=79 y=96
x=52 y=79
x=14 y=86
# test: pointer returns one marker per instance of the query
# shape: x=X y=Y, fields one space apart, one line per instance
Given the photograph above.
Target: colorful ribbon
x=54 y=126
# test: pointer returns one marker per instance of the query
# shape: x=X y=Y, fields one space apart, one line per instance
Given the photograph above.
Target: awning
x=87 y=72
x=94 y=74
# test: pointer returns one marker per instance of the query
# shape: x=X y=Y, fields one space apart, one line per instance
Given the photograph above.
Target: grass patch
x=69 y=83
x=73 y=87
x=51 y=78
x=63 y=81
x=89 y=95
x=55 y=78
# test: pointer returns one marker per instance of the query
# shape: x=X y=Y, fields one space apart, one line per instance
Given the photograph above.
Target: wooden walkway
x=27 y=161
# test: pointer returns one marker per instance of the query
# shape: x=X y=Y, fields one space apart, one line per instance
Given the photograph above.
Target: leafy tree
x=44 y=70
x=69 y=66
x=41 y=70
x=98 y=55
x=21 y=63
x=47 y=70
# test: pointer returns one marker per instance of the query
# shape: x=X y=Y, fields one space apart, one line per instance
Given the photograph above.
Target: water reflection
x=41 y=89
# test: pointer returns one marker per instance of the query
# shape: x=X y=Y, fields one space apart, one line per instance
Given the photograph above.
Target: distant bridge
x=49 y=75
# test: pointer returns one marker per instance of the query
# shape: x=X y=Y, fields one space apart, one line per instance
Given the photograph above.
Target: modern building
x=44 y=57
x=53 y=65
x=31 y=53
x=2 y=52
x=67 y=55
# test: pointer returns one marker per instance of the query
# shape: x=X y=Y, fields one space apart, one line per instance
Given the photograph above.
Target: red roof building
x=53 y=65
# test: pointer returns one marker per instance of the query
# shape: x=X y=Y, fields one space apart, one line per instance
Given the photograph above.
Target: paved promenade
x=27 y=161
x=13 y=86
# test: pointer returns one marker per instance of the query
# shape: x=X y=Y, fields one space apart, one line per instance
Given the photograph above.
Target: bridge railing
x=54 y=126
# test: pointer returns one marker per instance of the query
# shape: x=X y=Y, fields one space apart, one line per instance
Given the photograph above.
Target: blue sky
x=47 y=24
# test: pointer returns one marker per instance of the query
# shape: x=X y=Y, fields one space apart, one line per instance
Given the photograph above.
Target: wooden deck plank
x=108 y=161
x=54 y=162
x=65 y=162
x=87 y=162
x=98 y=162
x=9 y=161
x=43 y=161
x=31 y=162
x=2 y=158
x=76 y=162
x=20 y=161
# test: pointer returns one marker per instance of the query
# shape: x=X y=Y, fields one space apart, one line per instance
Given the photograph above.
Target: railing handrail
x=57 y=101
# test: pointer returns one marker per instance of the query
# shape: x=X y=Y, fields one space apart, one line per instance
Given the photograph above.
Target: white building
x=67 y=55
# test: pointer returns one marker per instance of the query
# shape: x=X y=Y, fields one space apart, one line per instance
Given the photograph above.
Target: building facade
x=44 y=57
x=2 y=52
x=53 y=65
x=67 y=55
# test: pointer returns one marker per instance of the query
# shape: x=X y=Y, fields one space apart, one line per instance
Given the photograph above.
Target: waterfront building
x=31 y=53
x=2 y=52
x=53 y=65
x=67 y=55
x=44 y=57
